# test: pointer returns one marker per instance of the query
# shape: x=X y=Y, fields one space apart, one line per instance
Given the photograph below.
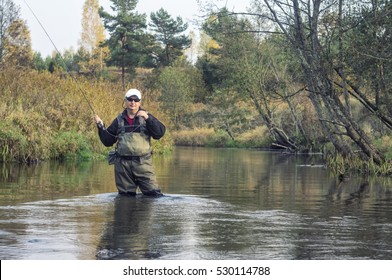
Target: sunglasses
x=130 y=99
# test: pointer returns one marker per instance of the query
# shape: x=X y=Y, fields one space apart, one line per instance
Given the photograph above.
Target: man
x=131 y=131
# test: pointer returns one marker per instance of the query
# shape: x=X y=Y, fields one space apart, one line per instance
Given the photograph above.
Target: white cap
x=133 y=92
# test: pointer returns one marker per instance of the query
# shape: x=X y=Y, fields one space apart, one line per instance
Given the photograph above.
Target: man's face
x=132 y=103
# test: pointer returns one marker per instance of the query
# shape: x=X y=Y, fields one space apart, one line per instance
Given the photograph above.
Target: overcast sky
x=62 y=18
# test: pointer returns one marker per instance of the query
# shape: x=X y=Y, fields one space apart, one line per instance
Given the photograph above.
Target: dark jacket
x=108 y=136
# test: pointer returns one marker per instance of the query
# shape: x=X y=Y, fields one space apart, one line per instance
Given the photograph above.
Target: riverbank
x=45 y=116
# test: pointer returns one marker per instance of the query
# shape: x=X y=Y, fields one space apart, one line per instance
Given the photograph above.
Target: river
x=218 y=204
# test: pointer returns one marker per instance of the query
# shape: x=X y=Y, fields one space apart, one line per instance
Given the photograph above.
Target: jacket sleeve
x=108 y=136
x=155 y=127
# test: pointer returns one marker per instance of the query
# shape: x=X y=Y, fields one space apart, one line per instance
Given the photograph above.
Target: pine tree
x=127 y=37
x=168 y=33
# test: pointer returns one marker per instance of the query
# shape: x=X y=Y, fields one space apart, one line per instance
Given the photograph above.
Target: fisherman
x=131 y=131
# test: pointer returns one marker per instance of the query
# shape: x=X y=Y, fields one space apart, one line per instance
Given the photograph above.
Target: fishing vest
x=132 y=143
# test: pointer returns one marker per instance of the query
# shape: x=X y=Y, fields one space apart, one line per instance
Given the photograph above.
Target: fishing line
x=62 y=59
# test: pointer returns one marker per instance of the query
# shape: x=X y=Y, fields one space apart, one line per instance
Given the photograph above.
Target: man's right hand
x=98 y=120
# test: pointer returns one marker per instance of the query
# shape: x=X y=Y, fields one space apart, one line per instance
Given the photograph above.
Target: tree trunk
x=280 y=137
x=335 y=118
x=123 y=43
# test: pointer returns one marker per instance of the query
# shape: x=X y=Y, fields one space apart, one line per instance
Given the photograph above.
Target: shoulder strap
x=142 y=124
x=121 y=125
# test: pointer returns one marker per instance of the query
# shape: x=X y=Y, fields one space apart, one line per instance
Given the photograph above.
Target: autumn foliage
x=45 y=116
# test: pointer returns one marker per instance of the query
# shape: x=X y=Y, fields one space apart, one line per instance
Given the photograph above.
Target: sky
x=62 y=18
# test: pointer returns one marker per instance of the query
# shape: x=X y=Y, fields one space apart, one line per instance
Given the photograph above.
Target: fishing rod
x=62 y=59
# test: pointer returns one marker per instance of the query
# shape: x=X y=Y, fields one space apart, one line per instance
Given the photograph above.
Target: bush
x=70 y=145
x=12 y=142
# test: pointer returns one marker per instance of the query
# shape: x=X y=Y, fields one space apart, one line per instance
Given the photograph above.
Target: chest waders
x=133 y=166
x=132 y=144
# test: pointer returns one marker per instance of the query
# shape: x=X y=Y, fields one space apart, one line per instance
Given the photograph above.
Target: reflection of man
x=129 y=234
x=132 y=131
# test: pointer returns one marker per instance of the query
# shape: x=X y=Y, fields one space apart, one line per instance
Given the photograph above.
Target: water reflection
x=129 y=231
x=51 y=180
x=219 y=204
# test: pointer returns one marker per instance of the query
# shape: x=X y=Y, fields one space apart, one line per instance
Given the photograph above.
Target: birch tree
x=92 y=37
x=9 y=12
x=17 y=45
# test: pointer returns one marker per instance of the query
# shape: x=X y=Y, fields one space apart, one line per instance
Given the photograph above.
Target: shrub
x=70 y=144
x=12 y=142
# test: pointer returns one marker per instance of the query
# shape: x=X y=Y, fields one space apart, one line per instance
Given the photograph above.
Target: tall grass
x=45 y=116
x=257 y=138
x=355 y=165
x=203 y=137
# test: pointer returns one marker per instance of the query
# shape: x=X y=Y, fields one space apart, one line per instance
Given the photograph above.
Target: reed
x=340 y=165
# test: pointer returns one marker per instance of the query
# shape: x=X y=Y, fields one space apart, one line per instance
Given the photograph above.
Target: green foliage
x=25 y=139
x=39 y=63
x=368 y=48
x=225 y=63
x=384 y=144
x=13 y=144
x=128 y=41
x=70 y=145
x=179 y=84
x=164 y=145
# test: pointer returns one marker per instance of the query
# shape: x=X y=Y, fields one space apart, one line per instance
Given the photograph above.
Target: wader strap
x=121 y=125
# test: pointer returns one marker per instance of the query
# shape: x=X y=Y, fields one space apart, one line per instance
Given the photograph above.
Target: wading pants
x=134 y=172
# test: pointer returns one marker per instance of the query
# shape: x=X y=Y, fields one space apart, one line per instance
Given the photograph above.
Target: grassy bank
x=209 y=137
x=45 y=116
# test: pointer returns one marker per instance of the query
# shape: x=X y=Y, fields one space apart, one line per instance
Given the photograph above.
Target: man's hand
x=98 y=120
x=143 y=114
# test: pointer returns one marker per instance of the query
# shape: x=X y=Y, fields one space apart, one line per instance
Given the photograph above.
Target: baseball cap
x=133 y=92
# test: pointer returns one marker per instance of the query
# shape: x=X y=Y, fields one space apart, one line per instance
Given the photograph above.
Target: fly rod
x=62 y=59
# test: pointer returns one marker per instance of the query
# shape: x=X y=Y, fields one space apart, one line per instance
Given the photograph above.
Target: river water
x=218 y=204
